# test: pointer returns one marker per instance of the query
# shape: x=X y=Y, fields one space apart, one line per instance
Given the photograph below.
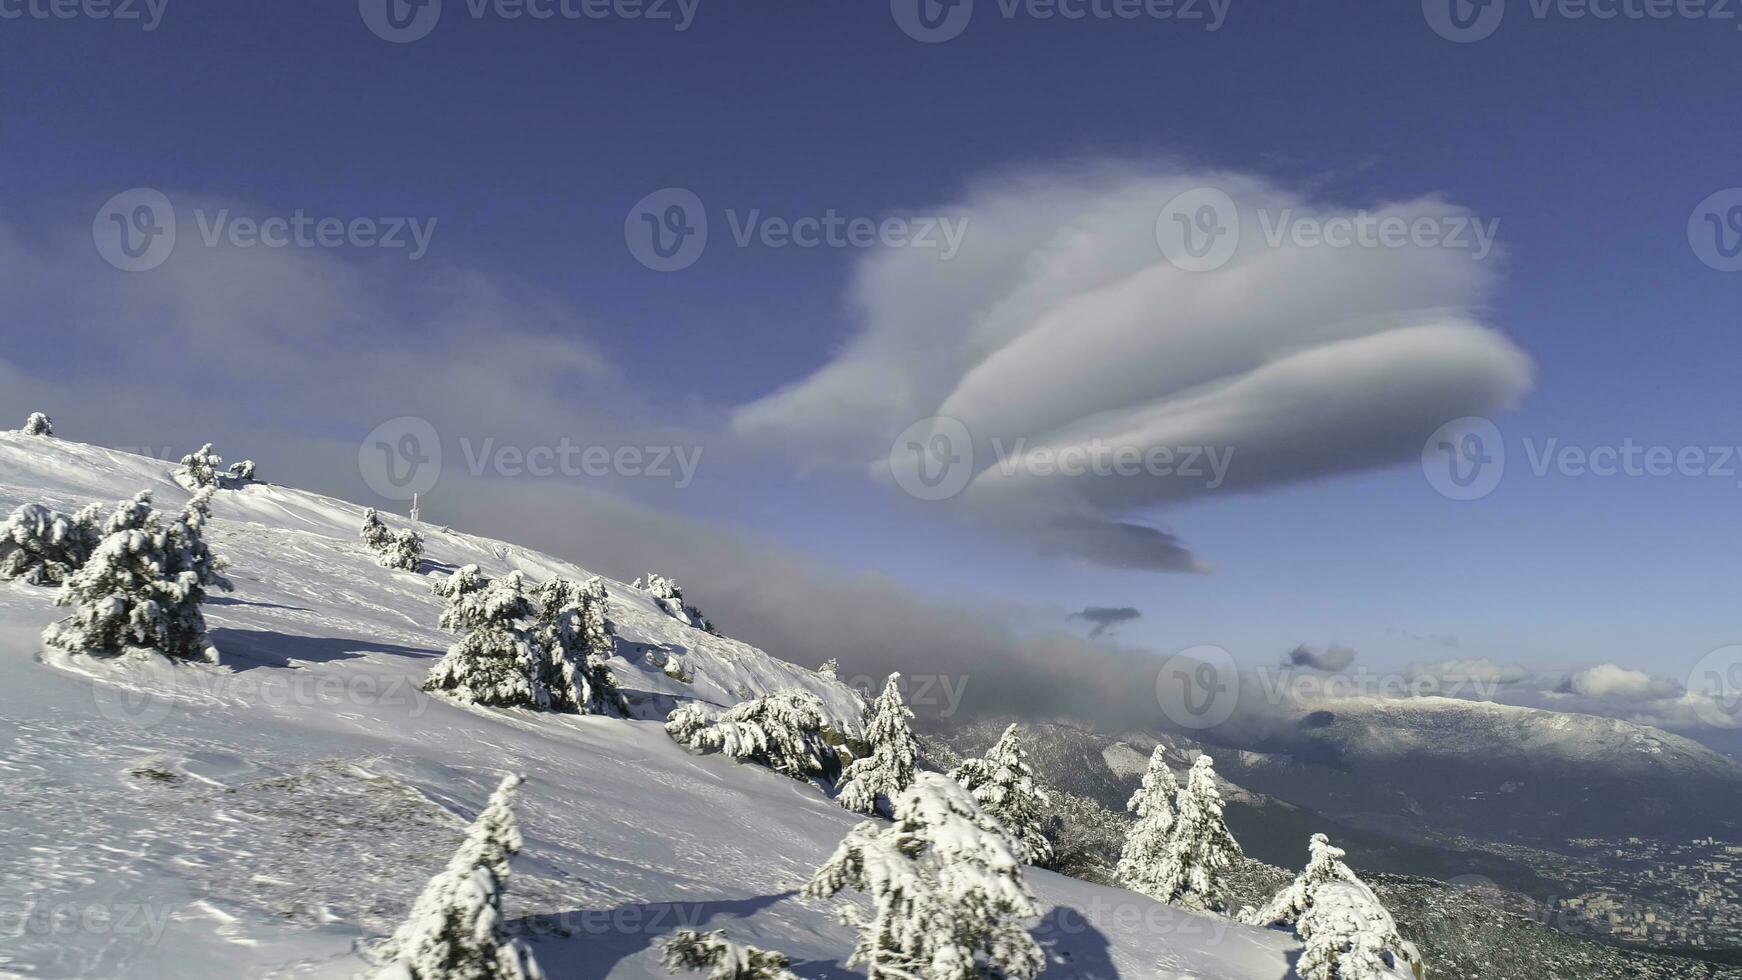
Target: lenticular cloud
x=1063 y=332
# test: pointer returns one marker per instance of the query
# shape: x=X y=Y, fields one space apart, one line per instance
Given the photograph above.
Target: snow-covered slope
x=264 y=816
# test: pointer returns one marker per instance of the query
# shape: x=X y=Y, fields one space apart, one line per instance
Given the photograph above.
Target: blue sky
x=529 y=141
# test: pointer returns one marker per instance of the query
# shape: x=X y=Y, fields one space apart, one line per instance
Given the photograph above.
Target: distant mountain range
x=1496 y=772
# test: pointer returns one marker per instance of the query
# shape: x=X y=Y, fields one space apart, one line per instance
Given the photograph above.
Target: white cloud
x=1620 y=683
x=1061 y=323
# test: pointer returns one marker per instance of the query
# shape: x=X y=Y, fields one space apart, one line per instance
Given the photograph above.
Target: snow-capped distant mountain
x=263 y=816
x=1491 y=770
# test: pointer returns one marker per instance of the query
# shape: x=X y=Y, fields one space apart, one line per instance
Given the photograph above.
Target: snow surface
x=273 y=815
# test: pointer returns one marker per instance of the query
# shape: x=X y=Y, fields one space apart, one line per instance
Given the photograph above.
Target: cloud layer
x=1062 y=331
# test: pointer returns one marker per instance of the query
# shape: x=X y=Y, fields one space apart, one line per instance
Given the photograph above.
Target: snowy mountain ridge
x=275 y=814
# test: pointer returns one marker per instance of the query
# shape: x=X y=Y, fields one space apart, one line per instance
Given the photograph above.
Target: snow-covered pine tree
x=456 y=930
x=688 y=949
x=404 y=550
x=142 y=588
x=38 y=424
x=242 y=472
x=496 y=662
x=1349 y=935
x=784 y=731
x=375 y=533
x=1155 y=803
x=1324 y=865
x=1005 y=787
x=43 y=546
x=200 y=469
x=575 y=639
x=946 y=888
x=871 y=783
x=1199 y=848
x=830 y=670
x=187 y=536
x=670 y=598
x=461 y=592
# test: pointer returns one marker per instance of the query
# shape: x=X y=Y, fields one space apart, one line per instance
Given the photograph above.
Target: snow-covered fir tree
x=143 y=586
x=784 y=731
x=670 y=598
x=1352 y=936
x=830 y=670
x=242 y=472
x=1349 y=935
x=688 y=949
x=38 y=424
x=1199 y=848
x=375 y=533
x=456 y=930
x=1155 y=805
x=1005 y=787
x=872 y=782
x=946 y=888
x=200 y=469
x=1324 y=866
x=496 y=662
x=403 y=551
x=575 y=639
x=461 y=591
x=43 y=546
